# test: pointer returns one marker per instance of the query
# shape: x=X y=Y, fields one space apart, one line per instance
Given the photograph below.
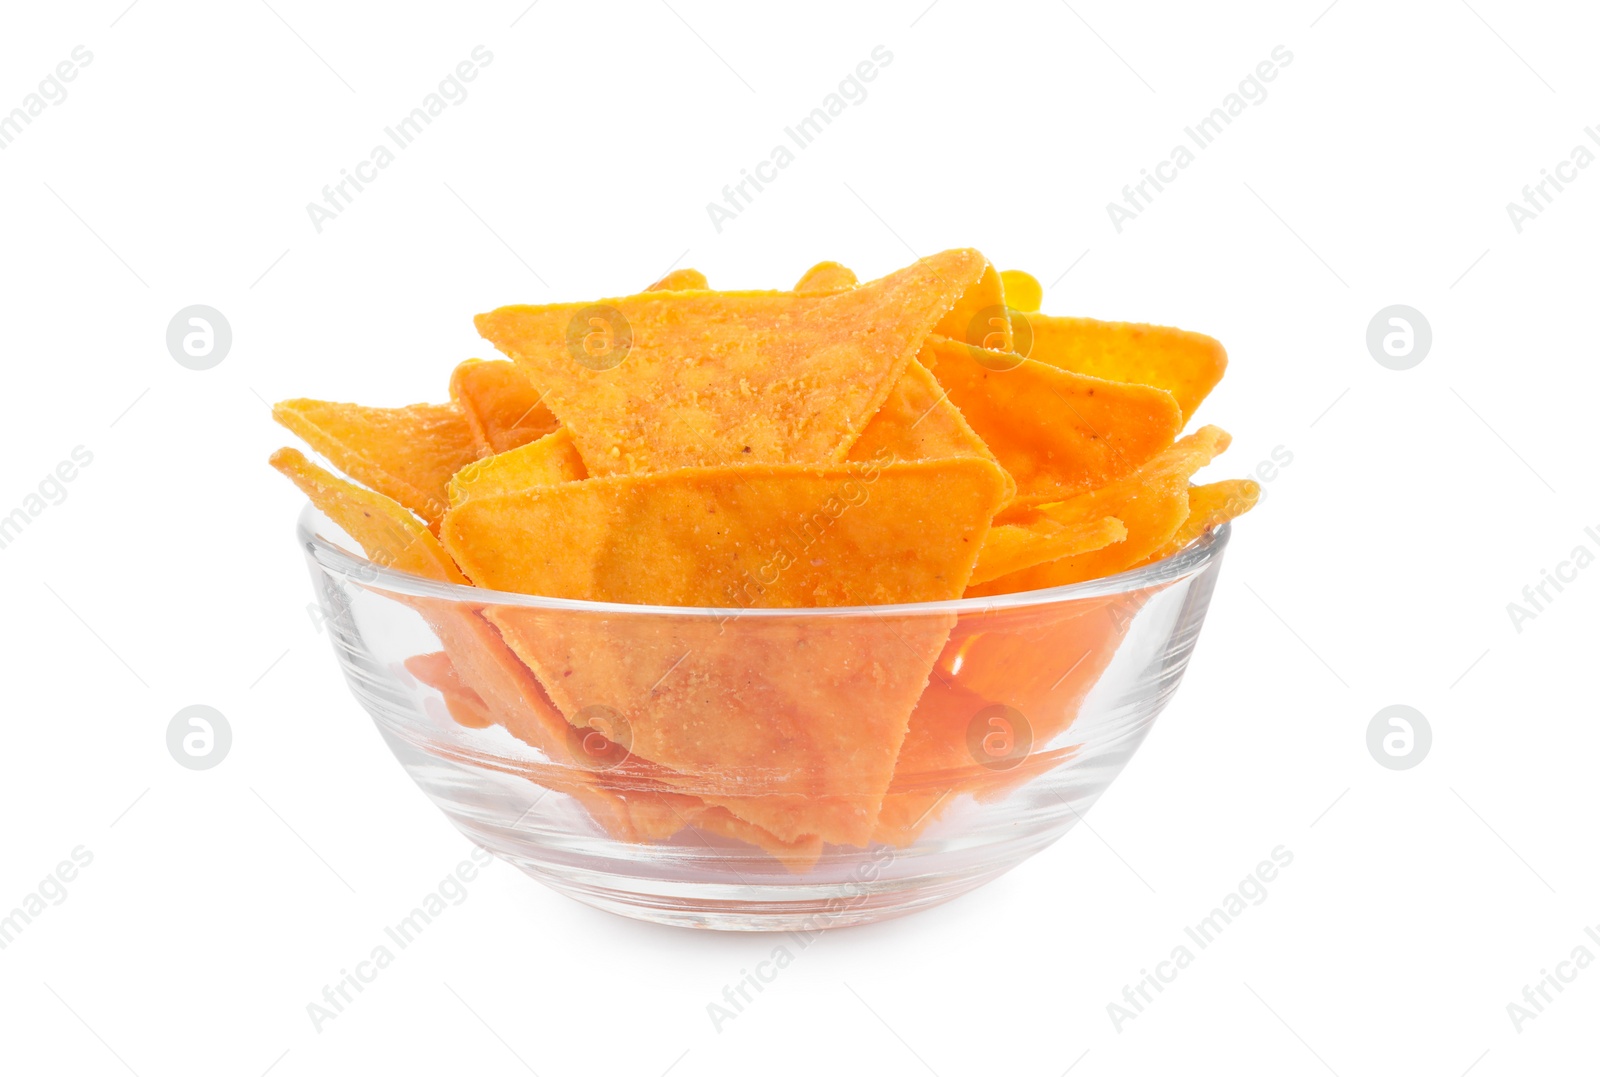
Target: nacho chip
x=763 y=717
x=465 y=706
x=406 y=453
x=1041 y=661
x=980 y=318
x=825 y=278
x=1012 y=547
x=1057 y=433
x=1023 y=293
x=760 y=535
x=681 y=280
x=918 y=422
x=550 y=460
x=661 y=815
x=486 y=670
x=1152 y=503
x=502 y=408
x=633 y=808
x=1188 y=365
x=684 y=379
x=1210 y=506
x=799 y=855
x=390 y=535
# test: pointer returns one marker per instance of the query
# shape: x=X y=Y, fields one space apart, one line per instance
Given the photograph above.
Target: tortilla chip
x=436 y=671
x=550 y=460
x=629 y=805
x=1057 y=433
x=799 y=855
x=1012 y=547
x=1040 y=661
x=406 y=453
x=502 y=407
x=697 y=379
x=485 y=666
x=755 y=536
x=1188 y=365
x=765 y=721
x=1023 y=293
x=980 y=318
x=918 y=422
x=482 y=680
x=1210 y=506
x=390 y=535
x=1152 y=503
x=825 y=278
x=681 y=280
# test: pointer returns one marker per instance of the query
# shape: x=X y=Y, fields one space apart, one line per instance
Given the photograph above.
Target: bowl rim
x=335 y=558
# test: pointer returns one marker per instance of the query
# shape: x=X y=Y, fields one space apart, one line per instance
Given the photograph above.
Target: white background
x=1377 y=571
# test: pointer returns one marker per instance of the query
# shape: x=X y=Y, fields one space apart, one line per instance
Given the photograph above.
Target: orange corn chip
x=1040 y=661
x=1152 y=503
x=437 y=672
x=650 y=811
x=669 y=813
x=1056 y=432
x=681 y=280
x=1023 y=293
x=799 y=855
x=501 y=406
x=825 y=278
x=1012 y=547
x=406 y=453
x=760 y=535
x=980 y=317
x=551 y=459
x=680 y=379
x=918 y=422
x=391 y=536
x=765 y=721
x=1210 y=506
x=1188 y=365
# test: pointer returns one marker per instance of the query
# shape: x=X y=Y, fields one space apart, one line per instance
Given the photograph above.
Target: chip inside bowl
x=733 y=465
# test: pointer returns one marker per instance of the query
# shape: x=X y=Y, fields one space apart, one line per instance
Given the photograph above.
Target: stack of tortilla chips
x=922 y=437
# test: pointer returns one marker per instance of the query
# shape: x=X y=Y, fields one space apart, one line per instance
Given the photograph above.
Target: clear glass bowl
x=761 y=770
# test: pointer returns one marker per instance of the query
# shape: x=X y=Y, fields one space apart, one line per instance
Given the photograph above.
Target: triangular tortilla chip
x=507 y=689
x=708 y=378
x=799 y=855
x=825 y=278
x=918 y=422
x=652 y=811
x=390 y=535
x=1057 y=433
x=762 y=716
x=551 y=459
x=1188 y=365
x=663 y=815
x=761 y=535
x=681 y=280
x=1040 y=661
x=436 y=671
x=980 y=318
x=1152 y=503
x=405 y=453
x=1210 y=506
x=502 y=407
x=1012 y=547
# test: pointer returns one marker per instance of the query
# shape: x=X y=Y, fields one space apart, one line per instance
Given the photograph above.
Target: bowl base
x=833 y=907
x=740 y=896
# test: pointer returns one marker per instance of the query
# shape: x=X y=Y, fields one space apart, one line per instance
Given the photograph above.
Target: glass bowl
x=761 y=769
